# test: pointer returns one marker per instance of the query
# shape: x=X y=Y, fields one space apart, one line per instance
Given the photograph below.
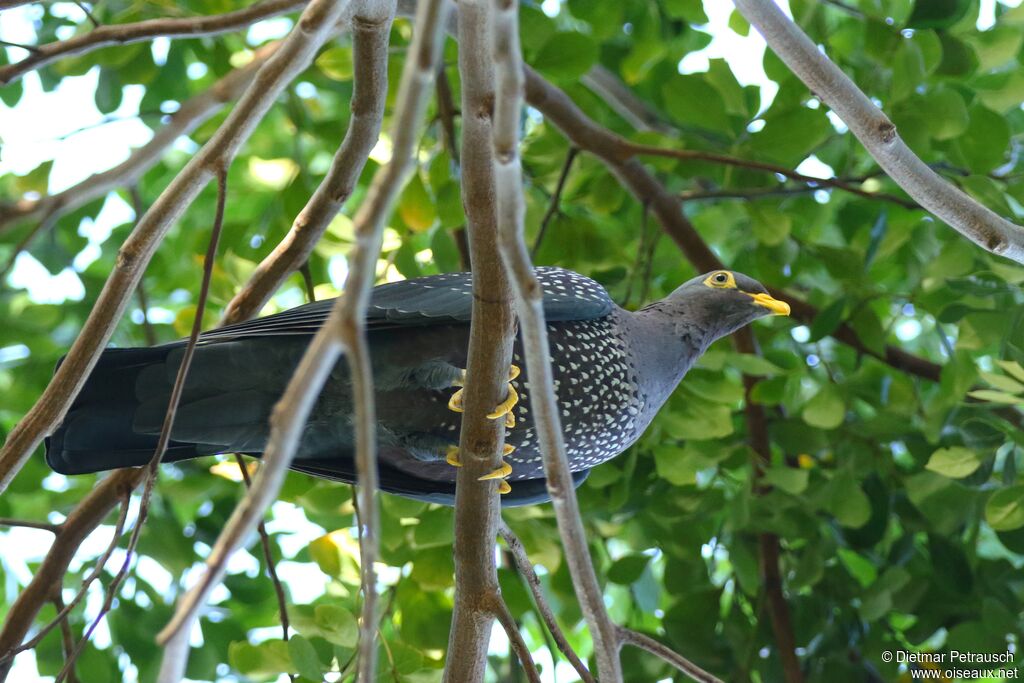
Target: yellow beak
x=774 y=305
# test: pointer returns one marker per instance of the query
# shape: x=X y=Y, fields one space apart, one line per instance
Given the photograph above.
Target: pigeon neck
x=666 y=343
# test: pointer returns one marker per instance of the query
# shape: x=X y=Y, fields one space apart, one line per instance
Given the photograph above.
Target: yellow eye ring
x=722 y=279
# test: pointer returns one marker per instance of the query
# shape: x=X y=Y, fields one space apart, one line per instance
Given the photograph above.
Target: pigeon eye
x=722 y=279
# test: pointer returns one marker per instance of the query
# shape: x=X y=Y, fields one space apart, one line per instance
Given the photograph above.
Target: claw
x=507 y=449
x=455 y=402
x=452 y=457
x=499 y=473
x=505 y=407
x=504 y=487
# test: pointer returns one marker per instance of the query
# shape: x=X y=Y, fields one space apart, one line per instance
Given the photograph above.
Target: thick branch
x=295 y=53
x=123 y=34
x=530 y=307
x=878 y=134
x=89 y=514
x=344 y=329
x=492 y=331
x=192 y=113
x=370 y=32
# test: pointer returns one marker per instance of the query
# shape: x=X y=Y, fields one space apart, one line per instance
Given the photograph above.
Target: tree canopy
x=822 y=490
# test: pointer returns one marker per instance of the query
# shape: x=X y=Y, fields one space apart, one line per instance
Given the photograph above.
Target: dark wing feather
x=430 y=300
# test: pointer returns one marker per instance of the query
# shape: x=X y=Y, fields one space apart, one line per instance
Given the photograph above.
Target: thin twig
x=371 y=28
x=88 y=14
x=877 y=133
x=268 y=556
x=526 y=570
x=530 y=307
x=555 y=206
x=515 y=637
x=307 y=281
x=724 y=159
x=30 y=524
x=67 y=638
x=631 y=637
x=124 y=34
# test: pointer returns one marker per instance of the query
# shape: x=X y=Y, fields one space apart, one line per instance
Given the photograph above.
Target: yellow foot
x=452 y=457
x=504 y=487
x=504 y=409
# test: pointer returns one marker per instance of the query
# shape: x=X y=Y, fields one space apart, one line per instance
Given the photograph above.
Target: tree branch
x=491 y=336
x=124 y=34
x=644 y=642
x=878 y=134
x=192 y=113
x=371 y=28
x=515 y=638
x=526 y=570
x=87 y=515
x=530 y=307
x=343 y=329
x=314 y=27
x=585 y=133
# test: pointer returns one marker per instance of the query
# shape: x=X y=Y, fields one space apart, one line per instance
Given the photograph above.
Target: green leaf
x=628 y=569
x=270 y=658
x=566 y=56
x=937 y=13
x=955 y=462
x=305 y=659
x=682 y=92
x=789 y=479
x=1004 y=510
x=826 y=410
x=789 y=136
x=985 y=143
x=848 y=502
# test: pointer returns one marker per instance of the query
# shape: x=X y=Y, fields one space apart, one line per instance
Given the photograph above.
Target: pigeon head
x=721 y=302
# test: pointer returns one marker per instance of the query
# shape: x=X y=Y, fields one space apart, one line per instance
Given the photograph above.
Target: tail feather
x=97 y=433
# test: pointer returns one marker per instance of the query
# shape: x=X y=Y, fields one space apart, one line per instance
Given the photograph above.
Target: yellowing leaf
x=326 y=554
x=956 y=462
x=1003 y=383
x=993 y=396
x=1005 y=509
x=1012 y=367
x=416 y=206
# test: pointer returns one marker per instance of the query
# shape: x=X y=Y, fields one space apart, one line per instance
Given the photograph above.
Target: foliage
x=895 y=498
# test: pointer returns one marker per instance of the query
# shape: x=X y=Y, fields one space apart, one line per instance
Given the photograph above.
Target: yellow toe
x=505 y=406
x=499 y=473
x=504 y=487
x=455 y=402
x=452 y=457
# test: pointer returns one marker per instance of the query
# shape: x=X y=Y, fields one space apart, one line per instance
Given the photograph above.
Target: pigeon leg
x=504 y=409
